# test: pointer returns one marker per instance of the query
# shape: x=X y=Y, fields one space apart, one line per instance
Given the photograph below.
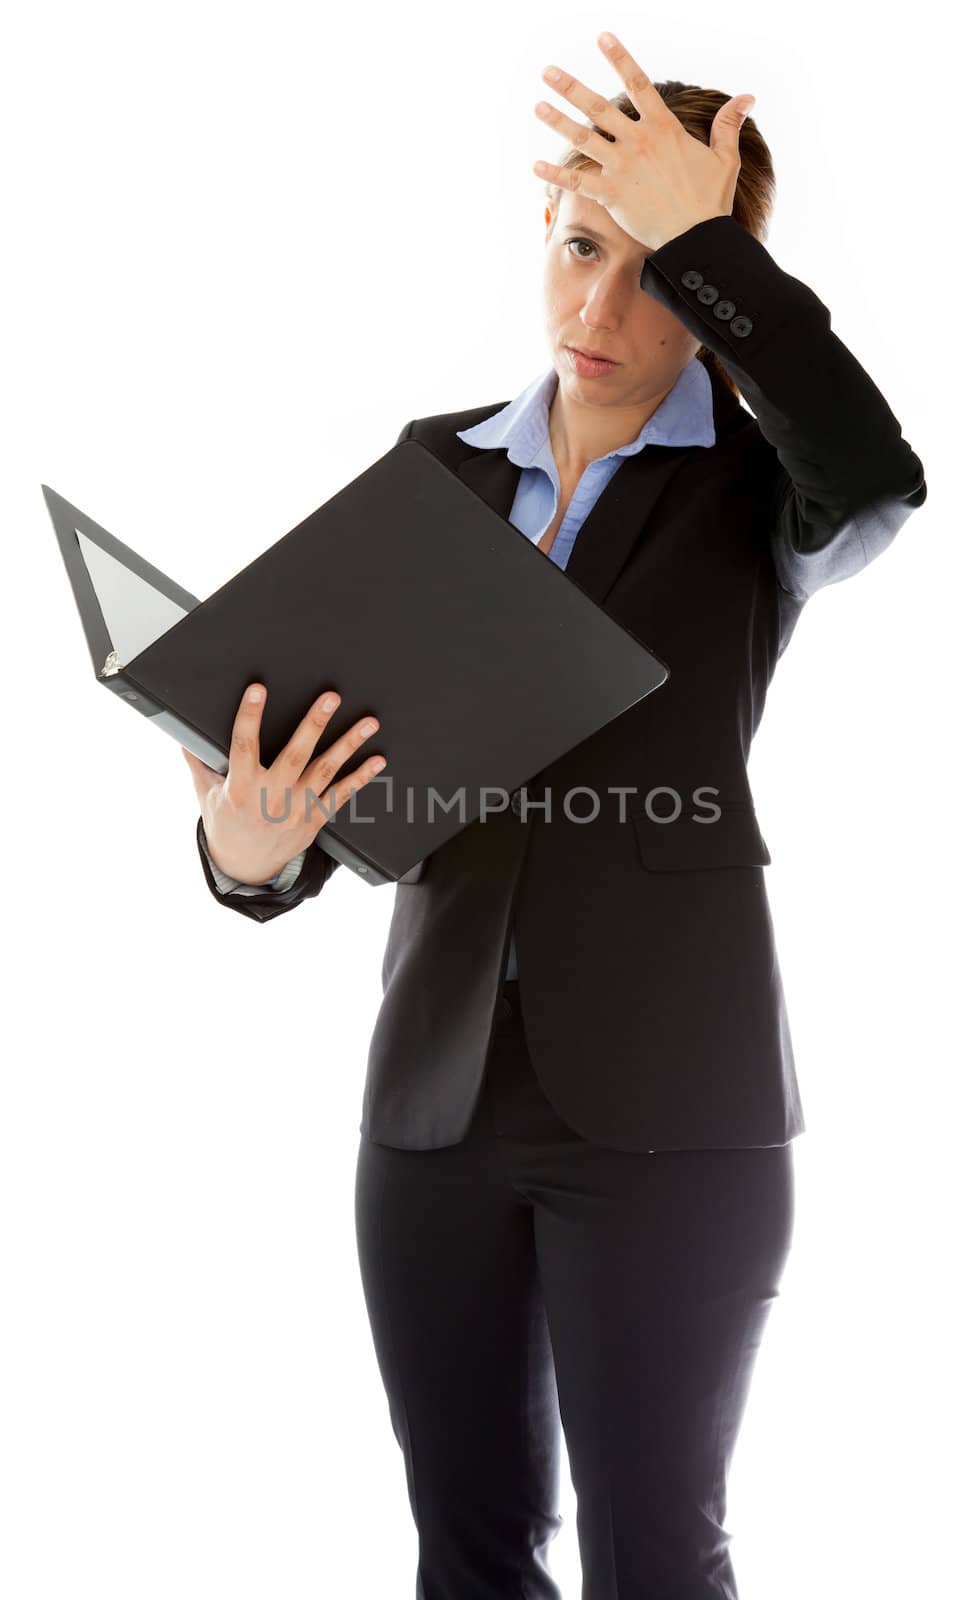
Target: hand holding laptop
x=238 y=809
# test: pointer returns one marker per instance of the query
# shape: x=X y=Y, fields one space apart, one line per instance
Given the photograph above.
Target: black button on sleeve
x=708 y=294
x=741 y=326
x=691 y=279
x=724 y=309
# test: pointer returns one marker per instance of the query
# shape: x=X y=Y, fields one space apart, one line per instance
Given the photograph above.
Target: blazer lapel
x=607 y=536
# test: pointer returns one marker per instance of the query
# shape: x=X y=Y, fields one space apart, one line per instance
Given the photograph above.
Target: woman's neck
x=581 y=434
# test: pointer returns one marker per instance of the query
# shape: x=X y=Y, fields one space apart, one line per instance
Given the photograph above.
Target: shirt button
x=724 y=309
x=708 y=294
x=692 y=279
x=741 y=326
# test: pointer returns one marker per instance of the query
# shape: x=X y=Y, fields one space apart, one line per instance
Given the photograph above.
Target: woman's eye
x=588 y=244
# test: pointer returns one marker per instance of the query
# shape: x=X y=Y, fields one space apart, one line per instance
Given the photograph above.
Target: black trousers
x=527 y=1280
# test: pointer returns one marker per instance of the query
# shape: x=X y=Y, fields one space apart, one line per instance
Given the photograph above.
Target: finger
x=638 y=85
x=590 y=140
x=334 y=798
x=596 y=107
x=244 y=759
x=295 y=757
x=578 y=180
x=323 y=768
x=727 y=124
x=292 y=760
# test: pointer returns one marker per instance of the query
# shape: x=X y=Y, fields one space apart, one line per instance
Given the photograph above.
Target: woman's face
x=592 y=298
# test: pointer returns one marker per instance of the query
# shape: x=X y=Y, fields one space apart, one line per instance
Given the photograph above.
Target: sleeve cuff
x=279 y=883
x=724 y=285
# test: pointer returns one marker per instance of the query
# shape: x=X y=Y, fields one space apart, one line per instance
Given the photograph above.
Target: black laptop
x=409 y=595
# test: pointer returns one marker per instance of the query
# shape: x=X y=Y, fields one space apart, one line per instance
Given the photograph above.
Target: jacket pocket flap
x=733 y=840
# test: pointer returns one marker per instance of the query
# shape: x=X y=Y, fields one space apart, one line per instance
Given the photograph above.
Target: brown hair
x=696 y=109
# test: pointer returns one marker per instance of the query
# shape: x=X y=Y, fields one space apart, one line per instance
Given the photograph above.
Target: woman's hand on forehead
x=653 y=177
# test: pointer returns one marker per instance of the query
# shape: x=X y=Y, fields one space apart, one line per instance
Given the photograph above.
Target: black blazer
x=650 y=989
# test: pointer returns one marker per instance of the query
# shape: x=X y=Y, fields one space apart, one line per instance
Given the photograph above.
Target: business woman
x=575 y=1191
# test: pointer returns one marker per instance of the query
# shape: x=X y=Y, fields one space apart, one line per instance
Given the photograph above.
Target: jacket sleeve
x=847 y=480
x=261 y=905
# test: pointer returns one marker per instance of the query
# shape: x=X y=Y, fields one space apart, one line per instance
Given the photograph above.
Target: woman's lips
x=588 y=366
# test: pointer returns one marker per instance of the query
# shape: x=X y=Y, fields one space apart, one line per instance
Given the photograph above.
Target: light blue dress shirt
x=685 y=417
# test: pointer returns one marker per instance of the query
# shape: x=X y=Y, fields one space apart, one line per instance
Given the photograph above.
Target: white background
x=243 y=247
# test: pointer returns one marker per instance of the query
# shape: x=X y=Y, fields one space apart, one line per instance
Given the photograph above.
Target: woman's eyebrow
x=582 y=227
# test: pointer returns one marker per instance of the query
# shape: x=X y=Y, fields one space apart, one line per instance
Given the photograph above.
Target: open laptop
x=409 y=595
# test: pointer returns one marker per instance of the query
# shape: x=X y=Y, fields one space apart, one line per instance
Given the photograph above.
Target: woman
x=574 y=1204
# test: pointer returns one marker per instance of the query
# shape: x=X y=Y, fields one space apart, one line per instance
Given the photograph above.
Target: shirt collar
x=684 y=417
